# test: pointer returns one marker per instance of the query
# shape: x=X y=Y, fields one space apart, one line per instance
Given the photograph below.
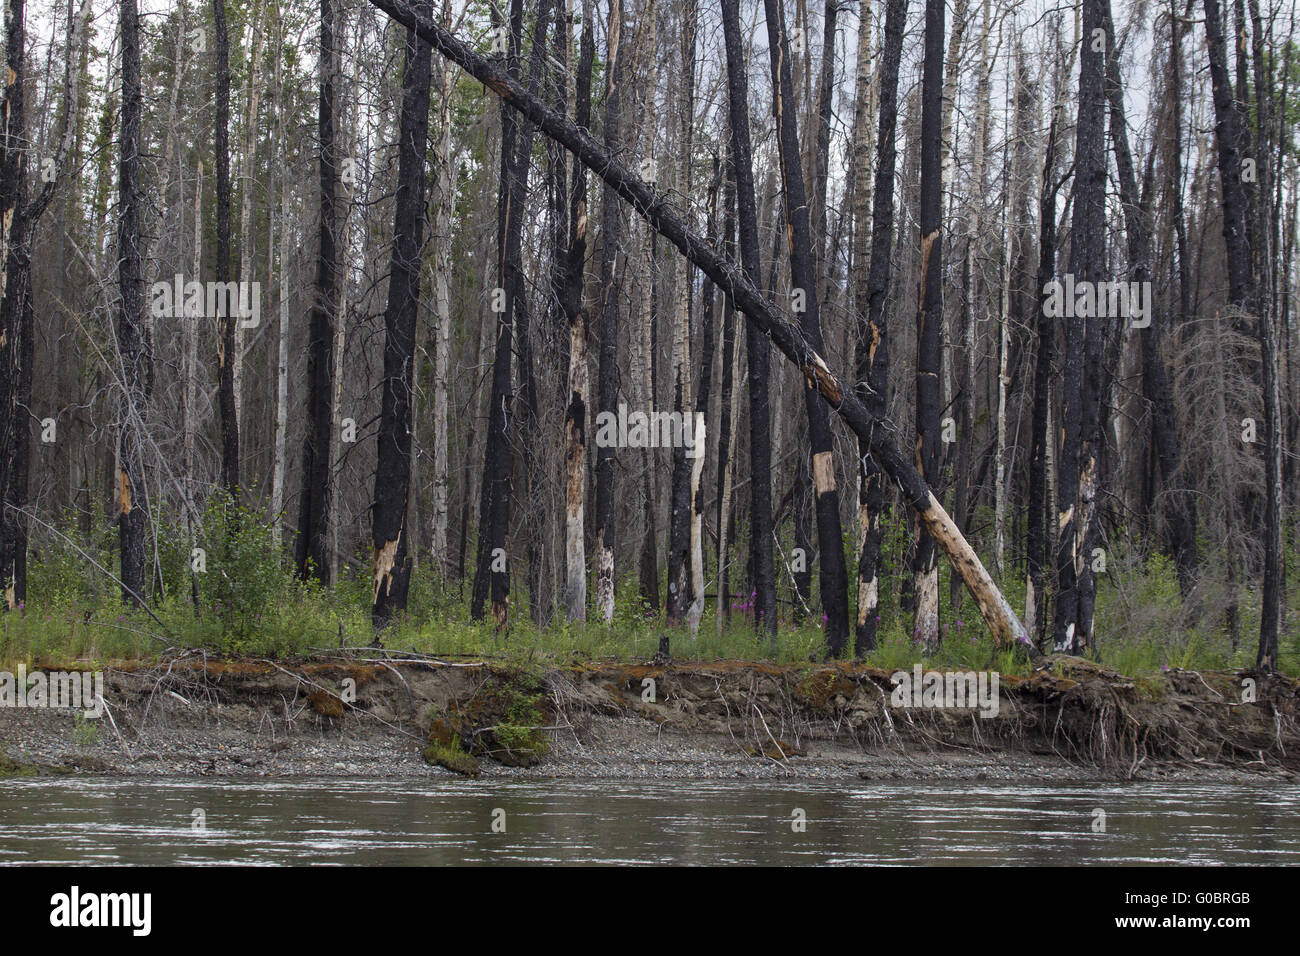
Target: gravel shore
x=256 y=720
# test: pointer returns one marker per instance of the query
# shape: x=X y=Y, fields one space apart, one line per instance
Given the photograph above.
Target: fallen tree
x=654 y=208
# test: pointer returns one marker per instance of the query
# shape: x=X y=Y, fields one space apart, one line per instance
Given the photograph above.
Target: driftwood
x=877 y=433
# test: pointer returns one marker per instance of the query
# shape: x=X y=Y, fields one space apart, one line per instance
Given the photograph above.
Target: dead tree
x=929 y=319
x=872 y=358
x=833 y=575
x=575 y=311
x=133 y=505
x=516 y=153
x=312 y=546
x=760 y=437
x=392 y=566
x=226 y=357
x=611 y=220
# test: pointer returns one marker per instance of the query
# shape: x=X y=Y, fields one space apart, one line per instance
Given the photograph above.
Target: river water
x=443 y=821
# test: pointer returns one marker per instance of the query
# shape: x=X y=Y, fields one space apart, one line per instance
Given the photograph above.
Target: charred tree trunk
x=760 y=437
x=226 y=357
x=929 y=319
x=312 y=547
x=1274 y=585
x=1229 y=134
x=133 y=507
x=13 y=179
x=19 y=217
x=1076 y=469
x=833 y=573
x=1041 y=438
x=872 y=359
x=681 y=499
x=608 y=371
x=702 y=396
x=575 y=419
x=972 y=307
x=392 y=567
x=516 y=152
x=729 y=406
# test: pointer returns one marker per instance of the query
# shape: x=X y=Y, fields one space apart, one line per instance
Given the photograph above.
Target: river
x=444 y=821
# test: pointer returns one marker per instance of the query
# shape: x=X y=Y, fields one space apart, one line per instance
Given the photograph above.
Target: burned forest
x=942 y=330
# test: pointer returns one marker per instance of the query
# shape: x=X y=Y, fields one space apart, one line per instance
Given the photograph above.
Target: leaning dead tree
x=657 y=211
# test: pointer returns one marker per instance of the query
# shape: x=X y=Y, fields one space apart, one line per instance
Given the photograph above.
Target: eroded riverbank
x=374 y=716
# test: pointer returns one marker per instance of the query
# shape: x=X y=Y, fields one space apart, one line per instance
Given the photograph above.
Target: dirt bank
x=388 y=716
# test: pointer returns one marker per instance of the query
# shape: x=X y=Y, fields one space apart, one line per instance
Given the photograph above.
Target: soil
x=372 y=715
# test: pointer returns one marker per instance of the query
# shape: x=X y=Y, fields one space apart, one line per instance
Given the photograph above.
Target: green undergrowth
x=250 y=604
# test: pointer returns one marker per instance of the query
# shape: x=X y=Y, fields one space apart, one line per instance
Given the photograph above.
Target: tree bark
x=133 y=507
x=391 y=573
x=282 y=355
x=312 y=550
x=611 y=217
x=226 y=345
x=833 y=575
x=516 y=151
x=760 y=439
x=19 y=217
x=441 y=239
x=246 y=243
x=929 y=320
x=681 y=497
x=575 y=419
x=1076 y=468
x=872 y=358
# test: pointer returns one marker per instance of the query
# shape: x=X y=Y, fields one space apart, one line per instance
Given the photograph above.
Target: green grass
x=252 y=605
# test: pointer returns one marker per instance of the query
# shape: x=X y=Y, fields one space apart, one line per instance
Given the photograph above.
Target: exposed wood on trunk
x=1077 y=468
x=870 y=293
x=575 y=420
x=833 y=573
x=929 y=322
